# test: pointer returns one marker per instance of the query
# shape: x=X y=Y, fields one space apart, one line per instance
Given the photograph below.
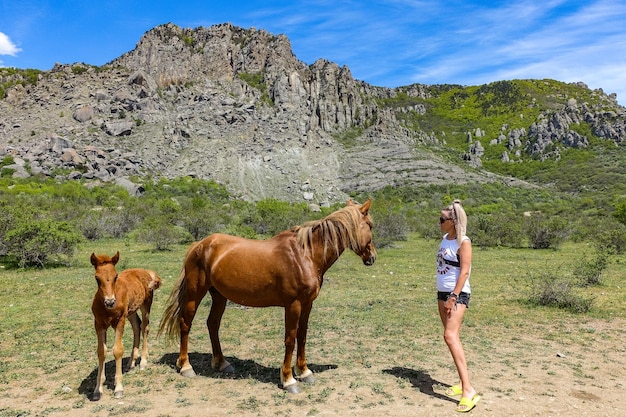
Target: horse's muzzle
x=369 y=261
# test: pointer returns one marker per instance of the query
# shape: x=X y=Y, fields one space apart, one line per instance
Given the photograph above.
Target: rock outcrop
x=235 y=105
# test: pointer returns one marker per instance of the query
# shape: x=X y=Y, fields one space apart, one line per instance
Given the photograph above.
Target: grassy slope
x=454 y=110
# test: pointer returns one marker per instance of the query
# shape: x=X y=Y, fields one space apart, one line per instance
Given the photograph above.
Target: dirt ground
x=517 y=376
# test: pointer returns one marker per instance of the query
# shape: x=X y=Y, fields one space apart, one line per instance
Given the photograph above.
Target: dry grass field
x=375 y=343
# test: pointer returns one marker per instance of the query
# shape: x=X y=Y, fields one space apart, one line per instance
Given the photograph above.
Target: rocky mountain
x=236 y=106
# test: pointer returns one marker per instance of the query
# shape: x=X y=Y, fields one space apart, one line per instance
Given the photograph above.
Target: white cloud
x=6 y=46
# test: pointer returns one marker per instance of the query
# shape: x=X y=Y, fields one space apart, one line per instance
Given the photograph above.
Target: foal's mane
x=338 y=230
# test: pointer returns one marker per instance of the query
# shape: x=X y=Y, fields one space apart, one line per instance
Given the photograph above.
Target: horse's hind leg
x=213 y=324
x=136 y=324
x=303 y=373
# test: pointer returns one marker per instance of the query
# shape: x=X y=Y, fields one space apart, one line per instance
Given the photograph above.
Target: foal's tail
x=170 y=323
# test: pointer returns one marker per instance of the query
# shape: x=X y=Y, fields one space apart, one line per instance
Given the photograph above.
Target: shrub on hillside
x=35 y=242
x=491 y=230
x=201 y=217
x=158 y=231
x=612 y=240
x=390 y=224
x=273 y=216
x=543 y=232
x=589 y=271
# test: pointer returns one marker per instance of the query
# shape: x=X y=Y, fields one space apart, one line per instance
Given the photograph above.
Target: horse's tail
x=170 y=322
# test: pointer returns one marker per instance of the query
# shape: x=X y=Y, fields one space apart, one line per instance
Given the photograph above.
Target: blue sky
x=385 y=43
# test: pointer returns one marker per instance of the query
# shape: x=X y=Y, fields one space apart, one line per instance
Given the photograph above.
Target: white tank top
x=447 y=275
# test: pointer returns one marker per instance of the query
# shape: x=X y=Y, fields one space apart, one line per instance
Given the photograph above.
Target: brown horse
x=120 y=296
x=285 y=271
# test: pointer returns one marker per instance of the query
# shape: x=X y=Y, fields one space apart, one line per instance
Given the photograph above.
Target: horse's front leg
x=118 y=352
x=303 y=373
x=292 y=317
x=213 y=322
x=135 y=323
x=101 y=334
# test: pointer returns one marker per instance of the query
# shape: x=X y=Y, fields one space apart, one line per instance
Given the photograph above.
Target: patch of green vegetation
x=348 y=137
x=257 y=81
x=453 y=112
x=10 y=77
x=79 y=69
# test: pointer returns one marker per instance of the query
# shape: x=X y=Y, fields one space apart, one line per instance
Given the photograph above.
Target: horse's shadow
x=420 y=380
x=88 y=384
x=244 y=368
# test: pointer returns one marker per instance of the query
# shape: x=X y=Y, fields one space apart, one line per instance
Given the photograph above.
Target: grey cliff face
x=235 y=105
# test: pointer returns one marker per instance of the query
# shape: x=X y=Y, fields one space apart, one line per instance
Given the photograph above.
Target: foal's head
x=106 y=276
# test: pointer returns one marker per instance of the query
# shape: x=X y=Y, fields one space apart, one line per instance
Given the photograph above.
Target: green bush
x=589 y=271
x=545 y=233
x=549 y=289
x=201 y=218
x=612 y=240
x=158 y=231
x=491 y=230
x=620 y=212
x=272 y=216
x=390 y=224
x=7 y=160
x=35 y=242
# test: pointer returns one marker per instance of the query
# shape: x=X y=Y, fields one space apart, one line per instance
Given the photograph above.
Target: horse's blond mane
x=338 y=230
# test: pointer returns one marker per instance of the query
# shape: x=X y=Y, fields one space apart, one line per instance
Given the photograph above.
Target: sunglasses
x=442 y=220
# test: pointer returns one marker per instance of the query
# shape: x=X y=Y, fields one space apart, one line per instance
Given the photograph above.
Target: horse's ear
x=365 y=208
x=115 y=258
x=94 y=259
x=350 y=203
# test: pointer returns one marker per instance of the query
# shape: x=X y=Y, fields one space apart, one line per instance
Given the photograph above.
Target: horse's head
x=365 y=248
x=106 y=276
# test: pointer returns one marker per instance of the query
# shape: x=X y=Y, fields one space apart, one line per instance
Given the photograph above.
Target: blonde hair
x=457 y=212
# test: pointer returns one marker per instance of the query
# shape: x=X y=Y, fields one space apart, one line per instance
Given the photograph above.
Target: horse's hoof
x=96 y=396
x=119 y=394
x=309 y=379
x=188 y=373
x=292 y=389
x=228 y=370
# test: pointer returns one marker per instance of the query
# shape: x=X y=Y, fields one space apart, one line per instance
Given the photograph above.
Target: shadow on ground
x=244 y=369
x=422 y=381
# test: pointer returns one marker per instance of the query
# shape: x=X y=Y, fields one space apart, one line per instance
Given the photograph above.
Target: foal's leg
x=118 y=352
x=303 y=373
x=292 y=316
x=145 y=329
x=101 y=334
x=136 y=324
x=213 y=324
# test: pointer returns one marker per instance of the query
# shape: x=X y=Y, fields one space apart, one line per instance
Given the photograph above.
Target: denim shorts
x=464 y=297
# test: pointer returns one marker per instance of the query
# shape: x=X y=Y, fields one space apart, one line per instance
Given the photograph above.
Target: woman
x=454 y=265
